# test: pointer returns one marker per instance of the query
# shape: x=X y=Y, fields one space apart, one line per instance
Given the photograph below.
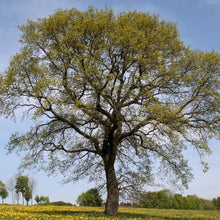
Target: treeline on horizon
x=164 y=199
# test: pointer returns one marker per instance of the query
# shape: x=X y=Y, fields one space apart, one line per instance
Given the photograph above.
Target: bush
x=60 y=203
x=90 y=198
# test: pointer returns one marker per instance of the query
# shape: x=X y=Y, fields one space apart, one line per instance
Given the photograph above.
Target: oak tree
x=109 y=96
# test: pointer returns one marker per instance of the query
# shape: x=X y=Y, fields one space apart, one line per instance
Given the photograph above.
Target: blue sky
x=198 y=22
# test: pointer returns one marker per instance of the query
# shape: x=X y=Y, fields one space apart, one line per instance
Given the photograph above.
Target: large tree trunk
x=111 y=206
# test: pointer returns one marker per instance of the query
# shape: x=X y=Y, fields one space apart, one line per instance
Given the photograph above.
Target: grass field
x=12 y=212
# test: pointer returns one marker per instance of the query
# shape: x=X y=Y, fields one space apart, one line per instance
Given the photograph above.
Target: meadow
x=15 y=212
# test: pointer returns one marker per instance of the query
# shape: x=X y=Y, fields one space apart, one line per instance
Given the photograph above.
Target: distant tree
x=90 y=198
x=160 y=199
x=28 y=194
x=193 y=202
x=21 y=186
x=165 y=200
x=37 y=199
x=17 y=197
x=181 y=201
x=216 y=202
x=148 y=200
x=3 y=191
x=109 y=93
x=206 y=204
x=11 y=188
x=42 y=199
x=32 y=185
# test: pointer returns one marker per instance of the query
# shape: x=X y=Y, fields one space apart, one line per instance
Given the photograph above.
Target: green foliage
x=42 y=199
x=28 y=194
x=165 y=200
x=90 y=198
x=3 y=191
x=22 y=186
x=159 y=199
x=216 y=202
x=37 y=199
x=60 y=203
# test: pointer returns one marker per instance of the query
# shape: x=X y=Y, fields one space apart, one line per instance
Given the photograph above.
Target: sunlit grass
x=12 y=212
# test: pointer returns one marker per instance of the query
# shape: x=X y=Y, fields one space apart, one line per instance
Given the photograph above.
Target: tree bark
x=111 y=206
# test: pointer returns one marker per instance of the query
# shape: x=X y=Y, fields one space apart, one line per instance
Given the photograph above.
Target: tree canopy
x=110 y=95
x=22 y=186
